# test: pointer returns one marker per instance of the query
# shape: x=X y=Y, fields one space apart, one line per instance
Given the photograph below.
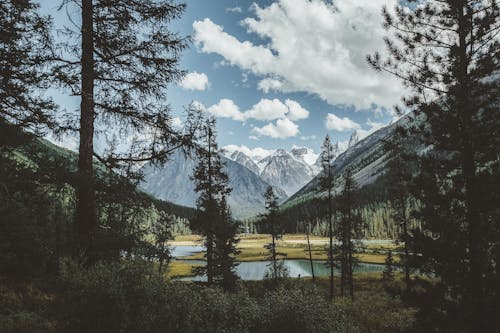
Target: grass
x=178 y=269
x=292 y=246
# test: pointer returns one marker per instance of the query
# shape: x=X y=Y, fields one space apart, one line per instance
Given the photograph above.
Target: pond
x=256 y=270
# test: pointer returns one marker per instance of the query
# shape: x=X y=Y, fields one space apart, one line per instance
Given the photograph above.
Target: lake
x=256 y=270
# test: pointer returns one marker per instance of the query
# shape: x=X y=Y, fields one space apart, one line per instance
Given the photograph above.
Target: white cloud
x=296 y=111
x=210 y=37
x=264 y=110
x=267 y=109
x=374 y=126
x=312 y=46
x=283 y=128
x=195 y=81
x=234 y=10
x=257 y=153
x=176 y=122
x=270 y=84
x=340 y=124
x=226 y=108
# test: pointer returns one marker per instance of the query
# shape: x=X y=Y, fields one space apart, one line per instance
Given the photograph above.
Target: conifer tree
x=270 y=223
x=24 y=60
x=349 y=233
x=121 y=64
x=400 y=167
x=388 y=273
x=213 y=220
x=447 y=53
x=327 y=183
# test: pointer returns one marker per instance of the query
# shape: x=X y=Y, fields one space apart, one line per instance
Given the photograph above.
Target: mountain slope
x=173 y=182
x=366 y=158
x=282 y=170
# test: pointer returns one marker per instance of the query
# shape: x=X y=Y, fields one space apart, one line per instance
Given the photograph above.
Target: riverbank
x=292 y=246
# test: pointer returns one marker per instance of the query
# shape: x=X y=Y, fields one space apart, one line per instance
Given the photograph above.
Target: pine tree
x=447 y=53
x=270 y=224
x=24 y=58
x=388 y=273
x=349 y=232
x=121 y=66
x=400 y=167
x=213 y=220
x=327 y=183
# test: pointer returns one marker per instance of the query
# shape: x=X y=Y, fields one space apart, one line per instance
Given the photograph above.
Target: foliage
x=24 y=58
x=213 y=219
x=348 y=233
x=128 y=297
x=447 y=53
x=269 y=223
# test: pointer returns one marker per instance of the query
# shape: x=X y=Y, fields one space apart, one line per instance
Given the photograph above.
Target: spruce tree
x=121 y=64
x=400 y=167
x=447 y=53
x=388 y=273
x=213 y=219
x=270 y=224
x=24 y=60
x=349 y=232
x=327 y=183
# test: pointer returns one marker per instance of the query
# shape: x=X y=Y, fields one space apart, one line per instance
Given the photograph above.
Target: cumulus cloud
x=257 y=153
x=283 y=128
x=210 y=37
x=313 y=46
x=264 y=110
x=374 y=126
x=195 y=81
x=296 y=111
x=226 y=108
x=267 y=109
x=340 y=124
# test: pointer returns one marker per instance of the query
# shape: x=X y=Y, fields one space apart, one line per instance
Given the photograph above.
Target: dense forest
x=83 y=249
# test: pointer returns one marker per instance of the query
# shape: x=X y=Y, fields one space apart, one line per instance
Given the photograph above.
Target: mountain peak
x=354 y=139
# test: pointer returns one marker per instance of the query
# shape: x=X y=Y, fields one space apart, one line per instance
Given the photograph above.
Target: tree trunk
x=330 y=236
x=86 y=216
x=310 y=253
x=405 y=239
x=472 y=215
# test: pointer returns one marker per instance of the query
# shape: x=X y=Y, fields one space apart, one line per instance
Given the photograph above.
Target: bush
x=130 y=297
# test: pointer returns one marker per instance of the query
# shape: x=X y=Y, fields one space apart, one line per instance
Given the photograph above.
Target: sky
x=279 y=74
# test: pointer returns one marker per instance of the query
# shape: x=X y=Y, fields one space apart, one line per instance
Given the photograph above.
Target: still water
x=256 y=270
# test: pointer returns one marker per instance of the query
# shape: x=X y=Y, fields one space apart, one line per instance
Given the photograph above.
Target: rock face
x=282 y=169
x=246 y=161
x=173 y=183
x=285 y=171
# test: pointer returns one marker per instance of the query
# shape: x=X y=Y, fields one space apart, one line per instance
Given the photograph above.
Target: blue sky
x=280 y=73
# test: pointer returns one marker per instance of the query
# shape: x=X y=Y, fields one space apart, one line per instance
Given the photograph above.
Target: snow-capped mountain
x=365 y=157
x=173 y=183
x=287 y=170
x=354 y=139
x=245 y=160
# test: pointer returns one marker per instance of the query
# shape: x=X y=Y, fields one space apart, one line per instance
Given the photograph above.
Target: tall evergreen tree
x=270 y=223
x=121 y=66
x=400 y=167
x=447 y=52
x=327 y=183
x=349 y=232
x=213 y=220
x=24 y=59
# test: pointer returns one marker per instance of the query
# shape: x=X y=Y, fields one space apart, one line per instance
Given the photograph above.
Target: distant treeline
x=374 y=204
